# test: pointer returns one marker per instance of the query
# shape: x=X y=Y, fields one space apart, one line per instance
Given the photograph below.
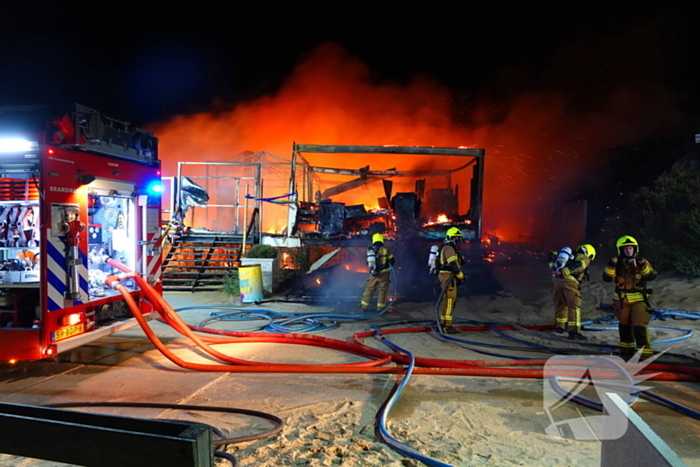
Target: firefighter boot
x=641 y=336
x=577 y=336
x=447 y=328
x=627 y=346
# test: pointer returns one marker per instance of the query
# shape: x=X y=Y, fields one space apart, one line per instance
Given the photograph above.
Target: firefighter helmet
x=377 y=238
x=627 y=240
x=453 y=233
x=588 y=250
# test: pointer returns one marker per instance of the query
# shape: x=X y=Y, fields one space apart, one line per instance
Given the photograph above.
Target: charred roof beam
x=421 y=150
x=389 y=172
x=347 y=186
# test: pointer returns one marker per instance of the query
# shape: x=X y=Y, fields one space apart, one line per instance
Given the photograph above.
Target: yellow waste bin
x=250 y=283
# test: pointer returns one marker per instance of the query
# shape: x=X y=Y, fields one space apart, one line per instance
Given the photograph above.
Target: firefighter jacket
x=385 y=257
x=630 y=276
x=552 y=258
x=575 y=269
x=451 y=260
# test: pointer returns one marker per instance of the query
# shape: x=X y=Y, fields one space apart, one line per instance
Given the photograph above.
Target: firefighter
x=557 y=260
x=379 y=261
x=630 y=273
x=450 y=275
x=566 y=290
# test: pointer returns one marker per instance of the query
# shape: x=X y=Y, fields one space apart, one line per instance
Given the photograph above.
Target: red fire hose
x=380 y=358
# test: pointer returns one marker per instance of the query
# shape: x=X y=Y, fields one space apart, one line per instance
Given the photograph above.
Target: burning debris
x=395 y=215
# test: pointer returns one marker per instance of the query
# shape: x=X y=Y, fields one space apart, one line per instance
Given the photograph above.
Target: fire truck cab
x=76 y=188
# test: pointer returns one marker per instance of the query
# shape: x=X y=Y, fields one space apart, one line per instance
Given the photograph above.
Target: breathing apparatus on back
x=565 y=254
x=433 y=259
x=373 y=254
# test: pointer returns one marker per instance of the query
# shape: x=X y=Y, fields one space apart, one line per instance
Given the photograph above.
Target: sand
x=460 y=421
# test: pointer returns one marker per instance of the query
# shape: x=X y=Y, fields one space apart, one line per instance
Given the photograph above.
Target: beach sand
x=330 y=418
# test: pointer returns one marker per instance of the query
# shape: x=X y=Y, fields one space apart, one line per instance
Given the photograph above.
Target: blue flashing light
x=155 y=188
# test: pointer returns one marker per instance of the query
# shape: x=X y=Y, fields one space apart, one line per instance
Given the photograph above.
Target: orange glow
x=318 y=281
x=287 y=261
x=12 y=361
x=333 y=98
x=441 y=219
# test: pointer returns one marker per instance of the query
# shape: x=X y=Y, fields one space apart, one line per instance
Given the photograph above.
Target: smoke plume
x=540 y=149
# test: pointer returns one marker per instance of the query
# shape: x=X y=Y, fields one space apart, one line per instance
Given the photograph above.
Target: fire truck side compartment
x=83 y=187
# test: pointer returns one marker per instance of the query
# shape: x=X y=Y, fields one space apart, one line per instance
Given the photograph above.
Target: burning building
x=405 y=213
x=263 y=198
x=287 y=202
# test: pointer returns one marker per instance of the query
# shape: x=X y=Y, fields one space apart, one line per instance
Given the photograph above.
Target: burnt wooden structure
x=305 y=195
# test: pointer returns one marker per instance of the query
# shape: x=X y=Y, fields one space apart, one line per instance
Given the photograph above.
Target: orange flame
x=332 y=98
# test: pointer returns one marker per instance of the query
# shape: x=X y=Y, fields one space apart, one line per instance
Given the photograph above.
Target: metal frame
x=476 y=198
x=169 y=208
x=237 y=188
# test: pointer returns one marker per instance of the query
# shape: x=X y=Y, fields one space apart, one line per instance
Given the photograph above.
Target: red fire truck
x=76 y=189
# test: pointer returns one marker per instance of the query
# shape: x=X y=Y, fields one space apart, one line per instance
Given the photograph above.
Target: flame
x=318 y=281
x=536 y=147
x=287 y=261
x=441 y=219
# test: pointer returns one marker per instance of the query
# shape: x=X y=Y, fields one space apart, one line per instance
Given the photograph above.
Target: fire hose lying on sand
x=398 y=362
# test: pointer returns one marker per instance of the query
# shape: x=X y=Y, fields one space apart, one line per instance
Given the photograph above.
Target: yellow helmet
x=377 y=238
x=627 y=240
x=588 y=250
x=453 y=233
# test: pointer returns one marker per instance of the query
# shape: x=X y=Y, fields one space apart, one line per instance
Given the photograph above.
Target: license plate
x=67 y=332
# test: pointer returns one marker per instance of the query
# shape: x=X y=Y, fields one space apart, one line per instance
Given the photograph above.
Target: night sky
x=547 y=91
x=149 y=63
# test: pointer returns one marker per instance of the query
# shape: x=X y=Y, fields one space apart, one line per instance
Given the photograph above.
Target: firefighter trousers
x=449 y=298
x=634 y=318
x=381 y=281
x=567 y=304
